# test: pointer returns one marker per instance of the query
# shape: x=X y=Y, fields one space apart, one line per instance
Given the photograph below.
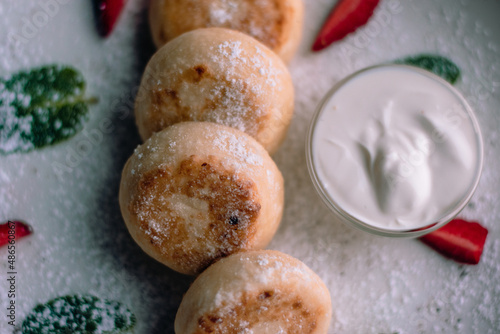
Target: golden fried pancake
x=196 y=192
x=275 y=23
x=217 y=75
x=256 y=292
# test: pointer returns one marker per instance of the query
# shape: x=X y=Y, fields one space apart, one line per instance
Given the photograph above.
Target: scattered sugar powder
x=228 y=13
x=235 y=108
x=264 y=65
x=239 y=148
x=262 y=261
x=221 y=12
x=232 y=50
x=267 y=68
x=378 y=285
x=246 y=88
x=14 y=128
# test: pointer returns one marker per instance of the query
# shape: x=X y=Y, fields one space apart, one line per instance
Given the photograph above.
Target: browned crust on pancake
x=256 y=307
x=229 y=204
x=261 y=291
x=220 y=76
x=268 y=21
x=230 y=103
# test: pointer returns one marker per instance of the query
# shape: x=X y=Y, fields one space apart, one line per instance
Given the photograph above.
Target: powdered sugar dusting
x=378 y=285
x=260 y=292
x=222 y=12
x=232 y=51
x=228 y=78
x=237 y=107
x=238 y=147
x=12 y=126
x=194 y=202
x=260 y=19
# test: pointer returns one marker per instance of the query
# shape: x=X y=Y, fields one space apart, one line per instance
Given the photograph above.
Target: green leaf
x=41 y=107
x=79 y=314
x=439 y=65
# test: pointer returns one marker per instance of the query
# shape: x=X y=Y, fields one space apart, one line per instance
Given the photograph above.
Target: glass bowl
x=349 y=218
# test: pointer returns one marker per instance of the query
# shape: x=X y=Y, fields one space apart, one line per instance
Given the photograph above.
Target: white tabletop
x=378 y=285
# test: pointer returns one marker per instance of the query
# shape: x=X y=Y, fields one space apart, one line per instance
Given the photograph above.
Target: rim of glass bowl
x=359 y=224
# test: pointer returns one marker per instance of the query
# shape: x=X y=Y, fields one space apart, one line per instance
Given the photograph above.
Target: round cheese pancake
x=217 y=75
x=265 y=292
x=196 y=192
x=275 y=23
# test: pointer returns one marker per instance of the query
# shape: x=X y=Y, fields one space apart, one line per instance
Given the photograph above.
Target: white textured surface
x=378 y=285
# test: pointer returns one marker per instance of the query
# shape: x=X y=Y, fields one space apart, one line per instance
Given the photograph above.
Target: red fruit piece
x=107 y=13
x=459 y=240
x=346 y=17
x=17 y=228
